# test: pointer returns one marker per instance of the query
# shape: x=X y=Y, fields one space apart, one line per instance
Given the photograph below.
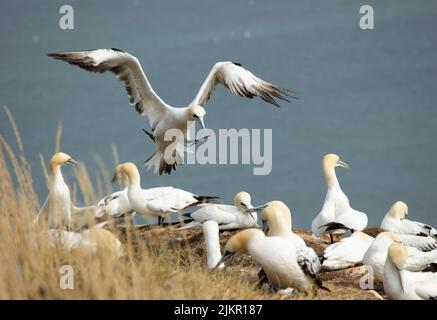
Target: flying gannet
x=277 y=257
x=162 y=116
x=228 y=217
x=159 y=201
x=336 y=214
x=421 y=256
x=57 y=210
x=402 y=284
x=395 y=221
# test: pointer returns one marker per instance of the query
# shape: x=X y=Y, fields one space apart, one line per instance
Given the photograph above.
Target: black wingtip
x=237 y=64
x=115 y=49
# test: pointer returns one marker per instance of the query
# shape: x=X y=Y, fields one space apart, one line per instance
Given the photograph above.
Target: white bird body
x=416 y=260
x=402 y=284
x=395 y=221
x=90 y=240
x=114 y=205
x=228 y=217
x=347 y=252
x=159 y=201
x=163 y=117
x=279 y=261
x=336 y=208
x=211 y=234
x=278 y=222
x=57 y=208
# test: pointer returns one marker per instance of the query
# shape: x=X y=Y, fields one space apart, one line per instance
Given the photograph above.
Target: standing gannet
x=56 y=210
x=211 y=234
x=401 y=284
x=117 y=204
x=162 y=116
x=277 y=222
x=417 y=259
x=347 y=252
x=160 y=201
x=336 y=213
x=277 y=257
x=395 y=221
x=228 y=217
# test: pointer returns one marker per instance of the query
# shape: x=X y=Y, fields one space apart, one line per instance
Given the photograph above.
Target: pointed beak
x=256 y=209
x=265 y=227
x=343 y=164
x=72 y=161
x=114 y=178
x=201 y=122
x=225 y=258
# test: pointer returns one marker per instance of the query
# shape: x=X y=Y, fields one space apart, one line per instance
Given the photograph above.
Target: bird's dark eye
x=243 y=204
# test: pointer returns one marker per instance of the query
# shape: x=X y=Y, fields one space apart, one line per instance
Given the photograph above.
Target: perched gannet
x=417 y=260
x=228 y=217
x=117 y=204
x=160 y=201
x=277 y=222
x=276 y=255
x=58 y=208
x=395 y=221
x=162 y=116
x=401 y=284
x=211 y=233
x=336 y=213
x=347 y=252
x=90 y=240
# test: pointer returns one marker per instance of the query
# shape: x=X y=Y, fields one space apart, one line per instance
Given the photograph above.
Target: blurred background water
x=369 y=96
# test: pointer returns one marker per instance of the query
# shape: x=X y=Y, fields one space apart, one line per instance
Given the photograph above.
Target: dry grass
x=161 y=264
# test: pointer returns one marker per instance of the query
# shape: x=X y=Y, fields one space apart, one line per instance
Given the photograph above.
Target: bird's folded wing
x=240 y=82
x=423 y=243
x=218 y=213
x=428 y=289
x=418 y=260
x=128 y=69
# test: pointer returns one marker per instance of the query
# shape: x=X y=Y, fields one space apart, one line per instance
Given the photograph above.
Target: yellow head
x=130 y=170
x=398 y=254
x=238 y=244
x=276 y=218
x=332 y=160
x=118 y=175
x=243 y=201
x=59 y=159
x=399 y=210
x=197 y=113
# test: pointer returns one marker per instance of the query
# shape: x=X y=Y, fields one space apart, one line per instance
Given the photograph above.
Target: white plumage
x=402 y=284
x=336 y=213
x=420 y=254
x=162 y=116
x=347 y=252
x=227 y=217
x=395 y=221
x=159 y=201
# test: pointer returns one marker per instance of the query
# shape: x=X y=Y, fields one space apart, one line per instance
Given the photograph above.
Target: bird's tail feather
x=193 y=224
x=203 y=200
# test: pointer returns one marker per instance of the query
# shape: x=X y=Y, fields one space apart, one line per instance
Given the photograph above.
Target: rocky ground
x=343 y=284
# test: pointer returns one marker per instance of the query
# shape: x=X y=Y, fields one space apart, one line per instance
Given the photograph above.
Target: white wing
x=168 y=199
x=240 y=82
x=326 y=215
x=428 y=289
x=418 y=260
x=425 y=243
x=222 y=214
x=128 y=69
x=347 y=252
